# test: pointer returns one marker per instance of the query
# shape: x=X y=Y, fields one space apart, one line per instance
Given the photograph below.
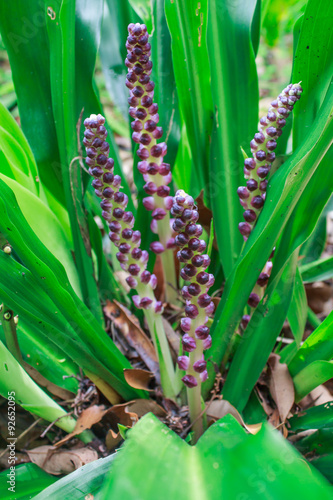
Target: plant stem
x=168 y=263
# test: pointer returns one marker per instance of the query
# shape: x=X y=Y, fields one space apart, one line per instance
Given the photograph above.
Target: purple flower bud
x=249 y=215
x=202 y=332
x=190 y=381
x=263 y=279
x=158 y=307
x=189 y=344
x=136 y=300
x=243 y=193
x=191 y=311
x=210 y=308
x=185 y=293
x=132 y=282
x=146 y=302
x=194 y=289
x=245 y=321
x=183 y=362
x=257 y=202
x=149 y=203
x=202 y=278
x=185 y=324
x=134 y=269
x=157 y=247
x=253 y=300
x=158 y=214
x=153 y=281
x=150 y=188
x=145 y=277
x=259 y=138
x=204 y=300
x=207 y=343
x=203 y=376
x=244 y=228
x=200 y=366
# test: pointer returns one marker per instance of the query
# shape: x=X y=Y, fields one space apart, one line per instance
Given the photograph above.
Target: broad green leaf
x=188 y=25
x=50 y=273
x=24 y=295
x=235 y=101
x=46 y=227
x=317 y=417
x=26 y=43
x=29 y=480
x=117 y=15
x=144 y=10
x=313 y=375
x=325 y=465
x=51 y=361
x=28 y=394
x=15 y=148
x=85 y=481
x=319 y=270
x=318 y=346
x=259 y=338
x=319 y=442
x=313 y=64
x=284 y=192
x=226 y=462
x=298 y=309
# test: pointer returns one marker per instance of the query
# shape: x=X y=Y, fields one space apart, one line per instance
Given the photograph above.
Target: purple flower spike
x=146 y=131
x=113 y=203
x=262 y=146
x=191 y=255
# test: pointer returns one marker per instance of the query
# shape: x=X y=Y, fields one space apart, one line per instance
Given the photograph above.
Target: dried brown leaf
x=139 y=379
x=44 y=382
x=129 y=327
x=173 y=338
x=220 y=407
x=86 y=420
x=281 y=386
x=55 y=461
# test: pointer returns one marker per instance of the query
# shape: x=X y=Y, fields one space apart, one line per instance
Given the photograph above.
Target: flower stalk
x=146 y=133
x=132 y=259
x=196 y=338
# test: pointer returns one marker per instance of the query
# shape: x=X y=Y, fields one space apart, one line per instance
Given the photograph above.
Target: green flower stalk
x=196 y=338
x=256 y=170
x=146 y=133
x=121 y=222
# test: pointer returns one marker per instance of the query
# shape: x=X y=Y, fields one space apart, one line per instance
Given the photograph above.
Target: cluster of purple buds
x=256 y=169
x=113 y=203
x=199 y=305
x=146 y=132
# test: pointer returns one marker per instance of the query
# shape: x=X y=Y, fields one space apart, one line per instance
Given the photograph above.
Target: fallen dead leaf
x=44 y=382
x=129 y=327
x=221 y=407
x=319 y=396
x=139 y=379
x=55 y=461
x=281 y=386
x=112 y=439
x=86 y=420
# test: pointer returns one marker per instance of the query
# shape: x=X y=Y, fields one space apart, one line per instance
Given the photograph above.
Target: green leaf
x=29 y=480
x=318 y=346
x=117 y=16
x=49 y=272
x=15 y=148
x=225 y=460
x=313 y=64
x=259 y=338
x=325 y=466
x=235 y=100
x=14 y=381
x=317 y=417
x=46 y=227
x=312 y=376
x=143 y=8
x=85 y=481
x=319 y=270
x=188 y=24
x=298 y=309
